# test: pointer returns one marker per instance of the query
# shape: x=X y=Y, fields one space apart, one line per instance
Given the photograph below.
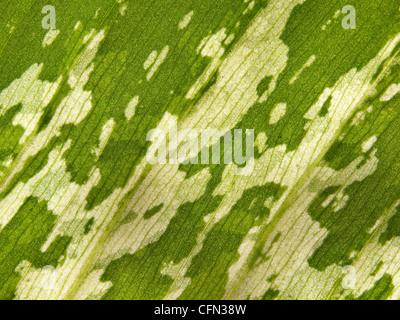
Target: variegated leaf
x=313 y=214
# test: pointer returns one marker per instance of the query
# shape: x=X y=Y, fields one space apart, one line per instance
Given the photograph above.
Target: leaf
x=313 y=214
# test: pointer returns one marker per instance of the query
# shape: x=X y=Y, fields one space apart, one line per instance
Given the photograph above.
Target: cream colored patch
x=96 y=14
x=185 y=20
x=160 y=59
x=390 y=92
x=244 y=251
x=131 y=108
x=77 y=25
x=229 y=39
x=358 y=118
x=249 y=7
x=150 y=60
x=122 y=9
x=88 y=36
x=50 y=36
x=312 y=113
x=104 y=137
x=367 y=145
x=277 y=113
x=211 y=47
x=309 y=62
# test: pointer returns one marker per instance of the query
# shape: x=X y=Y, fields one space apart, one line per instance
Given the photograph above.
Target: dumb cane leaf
x=313 y=211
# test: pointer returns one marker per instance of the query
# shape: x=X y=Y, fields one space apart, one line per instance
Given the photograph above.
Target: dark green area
x=88 y=226
x=270 y=294
x=9 y=135
x=263 y=85
x=325 y=107
x=151 y=212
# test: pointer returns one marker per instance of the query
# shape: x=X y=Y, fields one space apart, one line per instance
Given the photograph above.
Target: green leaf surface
x=85 y=215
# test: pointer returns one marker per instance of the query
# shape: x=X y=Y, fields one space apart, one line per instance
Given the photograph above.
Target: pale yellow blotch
x=131 y=108
x=10 y=28
x=244 y=250
x=309 y=62
x=269 y=202
x=249 y=7
x=84 y=60
x=390 y=92
x=367 y=145
x=77 y=25
x=185 y=20
x=14 y=200
x=50 y=36
x=277 y=113
x=45 y=284
x=150 y=60
x=336 y=15
x=341 y=201
x=104 y=137
x=88 y=36
x=122 y=9
x=358 y=118
x=160 y=59
x=211 y=47
x=229 y=39
x=96 y=13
